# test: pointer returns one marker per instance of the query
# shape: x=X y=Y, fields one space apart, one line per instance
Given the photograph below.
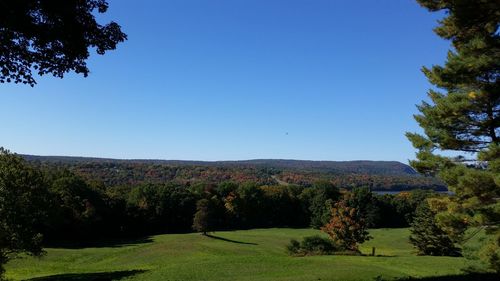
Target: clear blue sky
x=238 y=79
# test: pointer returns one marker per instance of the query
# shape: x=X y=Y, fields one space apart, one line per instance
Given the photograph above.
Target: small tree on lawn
x=427 y=237
x=202 y=221
x=347 y=228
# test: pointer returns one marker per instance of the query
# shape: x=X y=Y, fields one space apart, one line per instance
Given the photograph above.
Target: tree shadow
x=464 y=277
x=229 y=240
x=116 y=243
x=97 y=276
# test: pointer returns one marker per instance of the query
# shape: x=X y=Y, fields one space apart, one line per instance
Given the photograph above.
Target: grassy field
x=236 y=255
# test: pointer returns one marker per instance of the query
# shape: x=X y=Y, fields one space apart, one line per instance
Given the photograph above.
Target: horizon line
x=207 y=161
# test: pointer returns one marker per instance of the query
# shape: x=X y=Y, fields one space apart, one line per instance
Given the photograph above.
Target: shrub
x=312 y=245
x=317 y=244
x=293 y=247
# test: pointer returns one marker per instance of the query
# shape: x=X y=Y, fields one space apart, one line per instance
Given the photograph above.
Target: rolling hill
x=340 y=167
x=379 y=175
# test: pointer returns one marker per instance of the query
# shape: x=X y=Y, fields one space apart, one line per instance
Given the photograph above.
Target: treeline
x=334 y=167
x=373 y=181
x=123 y=172
x=79 y=210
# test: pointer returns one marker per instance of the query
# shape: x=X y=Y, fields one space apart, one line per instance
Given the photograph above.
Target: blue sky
x=238 y=79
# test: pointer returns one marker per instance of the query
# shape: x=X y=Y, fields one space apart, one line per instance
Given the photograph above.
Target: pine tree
x=464 y=117
x=427 y=237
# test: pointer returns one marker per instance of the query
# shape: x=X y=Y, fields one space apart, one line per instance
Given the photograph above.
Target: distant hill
x=379 y=175
x=340 y=167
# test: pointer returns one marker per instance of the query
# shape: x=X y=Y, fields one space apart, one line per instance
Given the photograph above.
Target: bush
x=312 y=245
x=293 y=247
x=317 y=244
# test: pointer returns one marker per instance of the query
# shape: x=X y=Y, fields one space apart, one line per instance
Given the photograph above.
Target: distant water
x=392 y=192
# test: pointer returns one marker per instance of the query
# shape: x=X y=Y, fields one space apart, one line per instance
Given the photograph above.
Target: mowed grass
x=257 y=254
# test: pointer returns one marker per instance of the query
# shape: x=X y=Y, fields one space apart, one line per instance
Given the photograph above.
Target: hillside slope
x=378 y=175
x=341 y=167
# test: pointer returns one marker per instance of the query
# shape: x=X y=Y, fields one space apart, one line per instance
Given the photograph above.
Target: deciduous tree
x=347 y=228
x=323 y=193
x=22 y=201
x=203 y=221
x=364 y=202
x=51 y=37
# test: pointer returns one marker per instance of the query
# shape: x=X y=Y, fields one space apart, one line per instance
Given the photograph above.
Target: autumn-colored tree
x=347 y=228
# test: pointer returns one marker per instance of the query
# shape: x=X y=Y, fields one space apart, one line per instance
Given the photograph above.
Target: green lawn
x=237 y=255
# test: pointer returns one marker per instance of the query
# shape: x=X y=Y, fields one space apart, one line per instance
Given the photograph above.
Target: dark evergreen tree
x=427 y=237
x=464 y=117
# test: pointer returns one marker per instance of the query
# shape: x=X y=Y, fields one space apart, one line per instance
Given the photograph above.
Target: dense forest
x=79 y=209
x=377 y=175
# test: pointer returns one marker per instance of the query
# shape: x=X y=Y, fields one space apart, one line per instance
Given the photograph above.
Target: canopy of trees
x=51 y=37
x=113 y=172
x=80 y=209
x=22 y=207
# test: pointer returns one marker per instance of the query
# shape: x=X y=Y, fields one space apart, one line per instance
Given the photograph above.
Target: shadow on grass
x=380 y=256
x=98 y=276
x=229 y=240
x=464 y=277
x=117 y=243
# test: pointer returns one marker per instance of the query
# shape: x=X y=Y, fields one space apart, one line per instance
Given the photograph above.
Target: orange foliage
x=346 y=227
